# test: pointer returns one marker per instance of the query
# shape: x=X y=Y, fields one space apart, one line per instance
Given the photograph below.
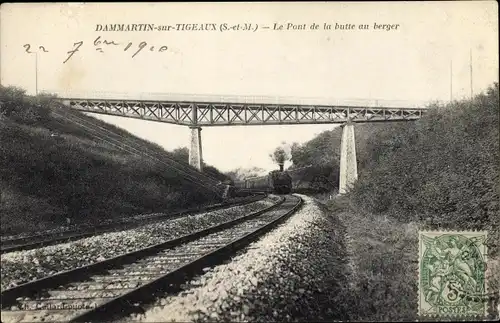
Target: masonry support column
x=348 y=163
x=195 y=152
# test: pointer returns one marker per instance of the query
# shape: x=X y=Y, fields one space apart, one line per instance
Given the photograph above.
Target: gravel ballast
x=79 y=227
x=295 y=272
x=23 y=266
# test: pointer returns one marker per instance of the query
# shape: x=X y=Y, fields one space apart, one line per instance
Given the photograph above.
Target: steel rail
x=9 y=296
x=126 y=300
x=125 y=304
x=41 y=240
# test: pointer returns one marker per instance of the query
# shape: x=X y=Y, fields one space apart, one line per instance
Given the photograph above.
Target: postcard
x=244 y=162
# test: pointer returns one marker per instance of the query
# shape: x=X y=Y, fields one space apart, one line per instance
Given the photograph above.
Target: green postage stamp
x=452 y=274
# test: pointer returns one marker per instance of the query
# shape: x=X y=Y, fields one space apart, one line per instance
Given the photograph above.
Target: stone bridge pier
x=348 y=162
x=195 y=151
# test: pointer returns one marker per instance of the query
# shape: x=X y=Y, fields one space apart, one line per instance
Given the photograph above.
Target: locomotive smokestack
x=281 y=167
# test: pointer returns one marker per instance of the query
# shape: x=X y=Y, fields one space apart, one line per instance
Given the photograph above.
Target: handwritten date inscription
x=100 y=44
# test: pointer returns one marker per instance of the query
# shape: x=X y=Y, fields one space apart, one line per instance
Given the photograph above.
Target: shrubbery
x=52 y=169
x=322 y=157
x=14 y=104
x=322 y=153
x=442 y=170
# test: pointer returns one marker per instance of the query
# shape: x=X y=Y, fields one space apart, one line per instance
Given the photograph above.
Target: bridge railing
x=247 y=99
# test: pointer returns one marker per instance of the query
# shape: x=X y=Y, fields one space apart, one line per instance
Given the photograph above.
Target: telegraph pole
x=451 y=80
x=36 y=73
x=470 y=63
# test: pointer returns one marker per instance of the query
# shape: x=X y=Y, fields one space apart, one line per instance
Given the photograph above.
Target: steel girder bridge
x=205 y=113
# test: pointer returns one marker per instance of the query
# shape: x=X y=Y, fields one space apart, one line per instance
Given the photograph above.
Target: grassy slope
x=441 y=172
x=45 y=179
x=383 y=257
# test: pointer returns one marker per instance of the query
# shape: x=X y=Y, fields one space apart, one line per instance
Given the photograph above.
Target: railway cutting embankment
x=60 y=168
x=438 y=173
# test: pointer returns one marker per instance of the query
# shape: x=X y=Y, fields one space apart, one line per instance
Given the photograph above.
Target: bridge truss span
x=232 y=114
x=198 y=113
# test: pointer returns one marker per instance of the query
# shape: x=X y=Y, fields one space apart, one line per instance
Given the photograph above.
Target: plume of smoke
x=281 y=154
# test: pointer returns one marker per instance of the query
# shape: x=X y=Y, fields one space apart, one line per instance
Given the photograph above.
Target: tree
x=298 y=155
x=181 y=154
x=16 y=105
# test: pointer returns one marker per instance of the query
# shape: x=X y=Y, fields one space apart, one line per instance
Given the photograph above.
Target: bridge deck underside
x=224 y=114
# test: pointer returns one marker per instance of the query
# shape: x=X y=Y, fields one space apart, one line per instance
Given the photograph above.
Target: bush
x=442 y=169
x=79 y=173
x=16 y=105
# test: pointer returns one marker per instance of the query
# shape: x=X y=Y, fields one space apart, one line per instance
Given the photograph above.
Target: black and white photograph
x=249 y=162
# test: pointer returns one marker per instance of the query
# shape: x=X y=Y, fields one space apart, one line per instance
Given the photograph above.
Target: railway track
x=50 y=238
x=119 y=286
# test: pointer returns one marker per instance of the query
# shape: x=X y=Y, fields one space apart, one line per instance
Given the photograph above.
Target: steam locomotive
x=277 y=181
x=307 y=179
x=280 y=181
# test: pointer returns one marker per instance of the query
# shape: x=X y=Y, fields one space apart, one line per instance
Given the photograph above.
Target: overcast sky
x=411 y=63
